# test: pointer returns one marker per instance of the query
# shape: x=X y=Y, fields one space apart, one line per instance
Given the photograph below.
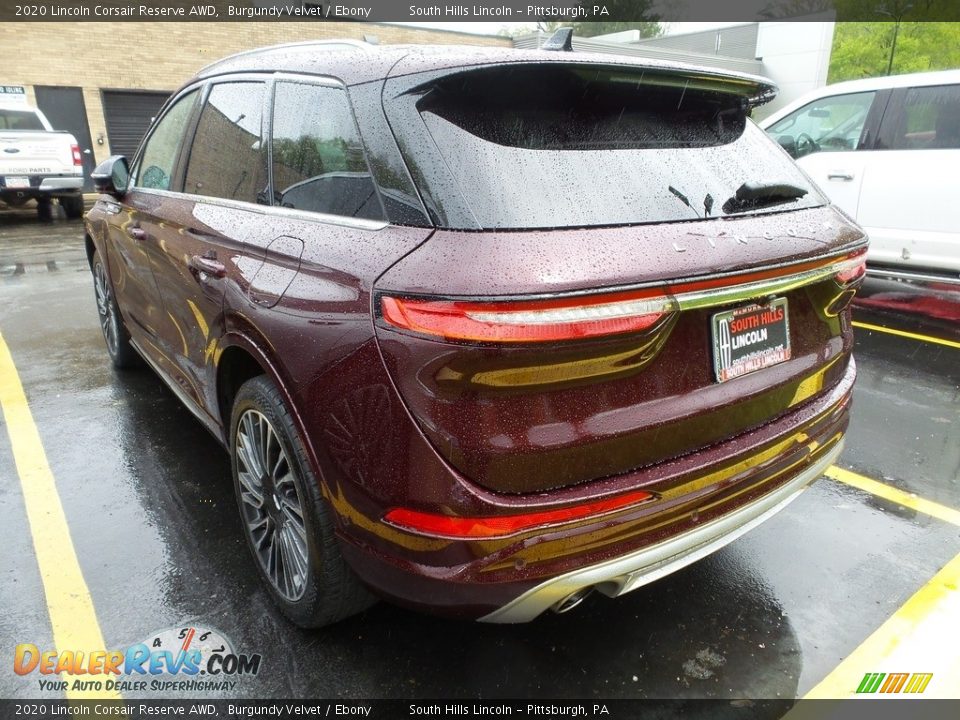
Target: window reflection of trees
x=318 y=161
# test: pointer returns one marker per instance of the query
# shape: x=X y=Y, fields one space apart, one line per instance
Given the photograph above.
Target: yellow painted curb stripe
x=916 y=638
x=887 y=492
x=72 y=616
x=904 y=333
x=912 y=639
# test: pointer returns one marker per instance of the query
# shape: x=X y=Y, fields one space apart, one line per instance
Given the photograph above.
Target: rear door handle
x=208 y=266
x=843 y=175
x=137 y=233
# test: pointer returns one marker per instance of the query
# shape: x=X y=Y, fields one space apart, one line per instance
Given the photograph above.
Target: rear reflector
x=536 y=321
x=466 y=528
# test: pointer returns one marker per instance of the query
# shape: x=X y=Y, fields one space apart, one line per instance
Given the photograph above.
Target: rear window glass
x=570 y=146
x=20 y=120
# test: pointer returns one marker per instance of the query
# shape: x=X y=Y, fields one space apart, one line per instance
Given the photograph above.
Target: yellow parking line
x=69 y=604
x=904 y=333
x=916 y=639
x=912 y=639
x=888 y=492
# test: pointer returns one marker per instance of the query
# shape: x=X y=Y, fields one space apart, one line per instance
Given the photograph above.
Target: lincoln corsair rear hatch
x=483 y=331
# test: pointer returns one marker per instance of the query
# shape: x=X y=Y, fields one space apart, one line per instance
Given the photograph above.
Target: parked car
x=482 y=330
x=39 y=163
x=886 y=151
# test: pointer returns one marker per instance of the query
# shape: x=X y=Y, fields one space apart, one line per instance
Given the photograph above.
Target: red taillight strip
x=584 y=316
x=77 y=157
x=475 y=528
x=523 y=322
x=852 y=267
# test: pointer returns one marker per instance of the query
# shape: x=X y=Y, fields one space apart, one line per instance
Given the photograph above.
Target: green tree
x=863 y=49
x=794 y=8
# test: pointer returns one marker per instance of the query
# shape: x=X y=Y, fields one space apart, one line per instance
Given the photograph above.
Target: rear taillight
x=852 y=267
x=603 y=314
x=466 y=528
x=532 y=321
x=77 y=157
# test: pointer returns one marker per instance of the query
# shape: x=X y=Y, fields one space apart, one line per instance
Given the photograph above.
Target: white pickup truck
x=39 y=163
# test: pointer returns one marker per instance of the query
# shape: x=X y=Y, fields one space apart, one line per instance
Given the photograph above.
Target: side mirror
x=112 y=176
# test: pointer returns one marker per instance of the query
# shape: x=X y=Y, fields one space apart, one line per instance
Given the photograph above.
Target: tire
x=44 y=209
x=320 y=589
x=121 y=352
x=73 y=206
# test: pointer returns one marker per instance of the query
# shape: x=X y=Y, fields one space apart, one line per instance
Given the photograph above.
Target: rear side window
x=538 y=146
x=228 y=157
x=829 y=124
x=318 y=159
x=20 y=120
x=929 y=119
x=163 y=146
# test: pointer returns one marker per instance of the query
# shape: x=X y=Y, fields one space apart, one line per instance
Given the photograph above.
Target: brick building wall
x=163 y=55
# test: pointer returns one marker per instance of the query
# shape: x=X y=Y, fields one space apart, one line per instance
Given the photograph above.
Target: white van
x=887 y=151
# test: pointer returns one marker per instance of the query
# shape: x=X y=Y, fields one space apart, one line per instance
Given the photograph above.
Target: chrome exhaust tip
x=571 y=600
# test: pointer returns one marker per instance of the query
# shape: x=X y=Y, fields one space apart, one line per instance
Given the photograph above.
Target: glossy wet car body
x=491 y=382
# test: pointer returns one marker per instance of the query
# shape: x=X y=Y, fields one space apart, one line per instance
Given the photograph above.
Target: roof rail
x=320 y=44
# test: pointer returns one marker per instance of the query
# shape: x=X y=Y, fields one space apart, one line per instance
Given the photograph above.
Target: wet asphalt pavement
x=150 y=507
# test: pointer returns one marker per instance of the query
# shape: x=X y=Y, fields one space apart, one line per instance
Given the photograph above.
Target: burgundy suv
x=482 y=330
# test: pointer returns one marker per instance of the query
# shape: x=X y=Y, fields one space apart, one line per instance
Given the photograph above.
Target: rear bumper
x=704 y=500
x=58 y=184
x=623 y=574
x=41 y=186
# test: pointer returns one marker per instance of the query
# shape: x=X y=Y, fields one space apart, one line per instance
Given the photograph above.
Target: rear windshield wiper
x=752 y=195
x=707 y=202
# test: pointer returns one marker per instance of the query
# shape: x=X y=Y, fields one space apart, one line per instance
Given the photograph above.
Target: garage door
x=127 y=114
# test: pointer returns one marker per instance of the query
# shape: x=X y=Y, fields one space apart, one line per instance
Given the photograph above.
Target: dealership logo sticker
x=181 y=659
x=911 y=683
x=750 y=338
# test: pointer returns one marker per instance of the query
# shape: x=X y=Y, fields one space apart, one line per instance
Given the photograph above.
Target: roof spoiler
x=560 y=41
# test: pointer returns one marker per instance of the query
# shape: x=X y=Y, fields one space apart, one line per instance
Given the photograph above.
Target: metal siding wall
x=647 y=50
x=738 y=41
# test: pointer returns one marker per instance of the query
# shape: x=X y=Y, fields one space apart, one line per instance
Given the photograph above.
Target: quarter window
x=318 y=159
x=228 y=158
x=930 y=119
x=160 y=153
x=831 y=124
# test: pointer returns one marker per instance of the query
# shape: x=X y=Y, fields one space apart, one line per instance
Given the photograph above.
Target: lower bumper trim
x=623 y=574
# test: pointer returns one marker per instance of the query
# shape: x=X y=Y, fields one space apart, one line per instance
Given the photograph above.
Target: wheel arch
x=90 y=248
x=236 y=365
x=242 y=358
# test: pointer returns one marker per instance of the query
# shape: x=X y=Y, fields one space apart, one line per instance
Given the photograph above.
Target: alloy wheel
x=271 y=505
x=106 y=308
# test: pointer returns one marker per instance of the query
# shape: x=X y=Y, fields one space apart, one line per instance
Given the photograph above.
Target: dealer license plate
x=750 y=338
x=16 y=182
